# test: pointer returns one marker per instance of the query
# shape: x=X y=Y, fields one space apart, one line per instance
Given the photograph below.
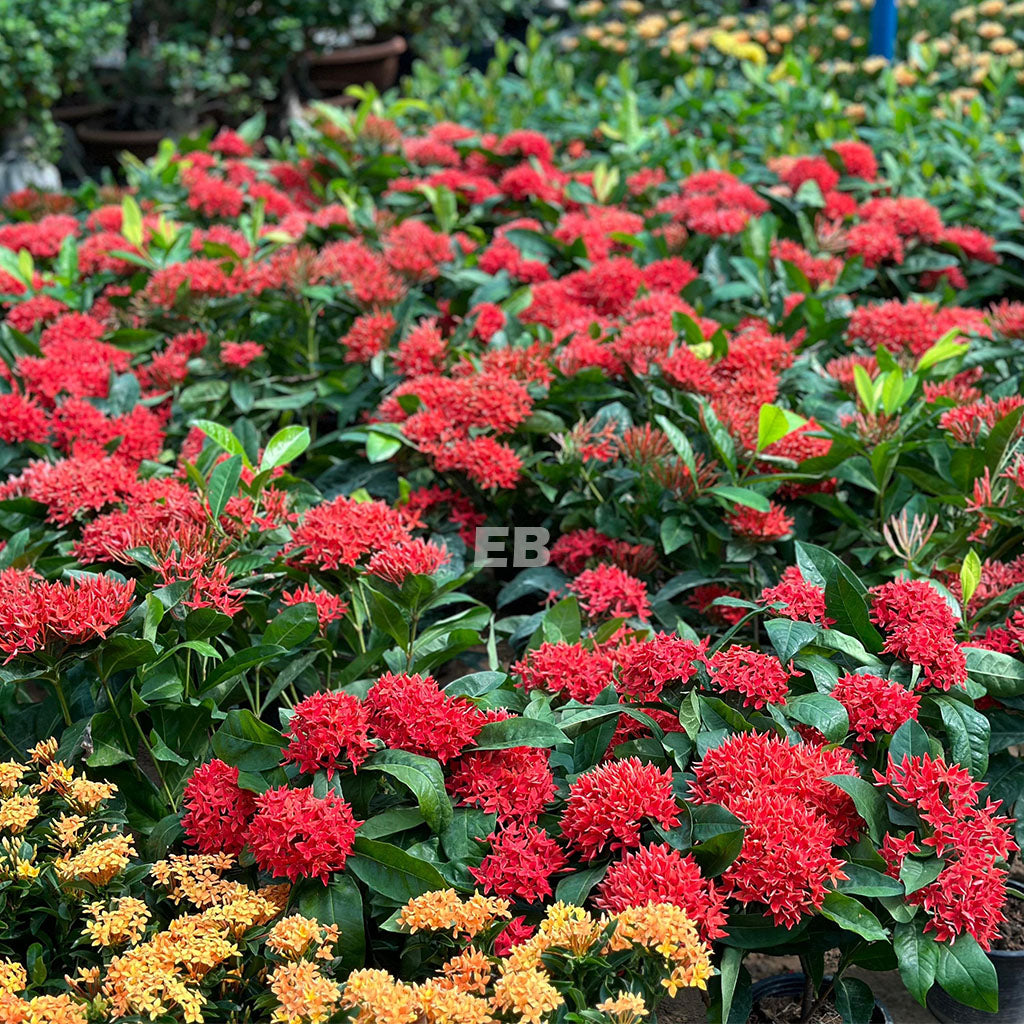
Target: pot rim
x=798 y=977
x=361 y=53
x=90 y=131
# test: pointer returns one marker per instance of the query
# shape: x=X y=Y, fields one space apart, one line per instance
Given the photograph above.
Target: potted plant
x=1007 y=956
x=45 y=49
x=350 y=43
x=185 y=67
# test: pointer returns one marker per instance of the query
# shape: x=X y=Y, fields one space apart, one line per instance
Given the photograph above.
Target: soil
x=888 y=987
x=1011 y=931
x=784 y=1010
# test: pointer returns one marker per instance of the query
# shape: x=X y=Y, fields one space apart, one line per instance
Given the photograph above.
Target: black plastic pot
x=792 y=985
x=1009 y=965
x=1010 y=974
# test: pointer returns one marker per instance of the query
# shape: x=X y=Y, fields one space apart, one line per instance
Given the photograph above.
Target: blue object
x=883 y=28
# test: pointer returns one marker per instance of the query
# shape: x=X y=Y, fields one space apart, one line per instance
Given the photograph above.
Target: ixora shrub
x=765 y=696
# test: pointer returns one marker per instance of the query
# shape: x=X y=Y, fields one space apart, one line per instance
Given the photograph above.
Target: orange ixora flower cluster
x=165 y=973
x=475 y=988
x=45 y=826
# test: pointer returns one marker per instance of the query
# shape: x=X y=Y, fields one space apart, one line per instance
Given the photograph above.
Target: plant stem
x=62 y=699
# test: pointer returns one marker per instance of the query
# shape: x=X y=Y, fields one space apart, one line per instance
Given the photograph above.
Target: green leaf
x=131 y=221
x=339 y=902
x=423 y=777
x=681 y=443
x=844 y=593
x=967 y=974
x=729 y=967
x=909 y=740
x=752 y=931
x=821 y=712
x=239 y=663
x=789 y=637
x=1001 y=675
x=712 y=820
x=284 y=447
x=852 y=916
x=741 y=496
x=223 y=484
x=945 y=348
x=519 y=732
x=224 y=437
x=916 y=873
x=469 y=827
x=380 y=447
x=391 y=822
x=868 y=800
x=387 y=616
x=865 y=881
x=674 y=534
x=854 y=1001
x=120 y=652
x=562 y=623
x=293 y=625
x=575 y=888
x=246 y=742
x=918 y=956
x=391 y=872
x=970 y=575
x=716 y=853
x=969 y=734
x=774 y=423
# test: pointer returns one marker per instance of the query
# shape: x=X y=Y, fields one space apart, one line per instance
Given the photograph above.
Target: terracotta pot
x=105 y=145
x=792 y=985
x=74 y=110
x=375 y=64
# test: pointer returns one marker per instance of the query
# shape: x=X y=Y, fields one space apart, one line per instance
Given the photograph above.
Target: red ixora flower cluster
x=295 y=834
x=607 y=805
x=344 y=531
x=608 y=591
x=515 y=784
x=217 y=810
x=520 y=863
x=761 y=678
x=35 y=613
x=575 y=670
x=657 y=873
x=328 y=731
x=800 y=600
x=292 y=832
x=920 y=627
x=647 y=665
x=969 y=892
x=409 y=712
x=876 y=707
x=761 y=527
x=793 y=818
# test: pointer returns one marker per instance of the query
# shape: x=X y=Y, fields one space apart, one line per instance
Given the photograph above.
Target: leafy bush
x=257 y=406
x=47 y=50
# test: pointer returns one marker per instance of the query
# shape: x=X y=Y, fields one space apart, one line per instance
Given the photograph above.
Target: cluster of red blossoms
x=920 y=627
x=793 y=819
x=35 y=613
x=969 y=892
x=292 y=832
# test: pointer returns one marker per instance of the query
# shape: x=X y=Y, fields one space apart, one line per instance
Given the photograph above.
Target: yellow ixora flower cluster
x=45 y=812
x=978 y=39
x=472 y=987
x=166 y=972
